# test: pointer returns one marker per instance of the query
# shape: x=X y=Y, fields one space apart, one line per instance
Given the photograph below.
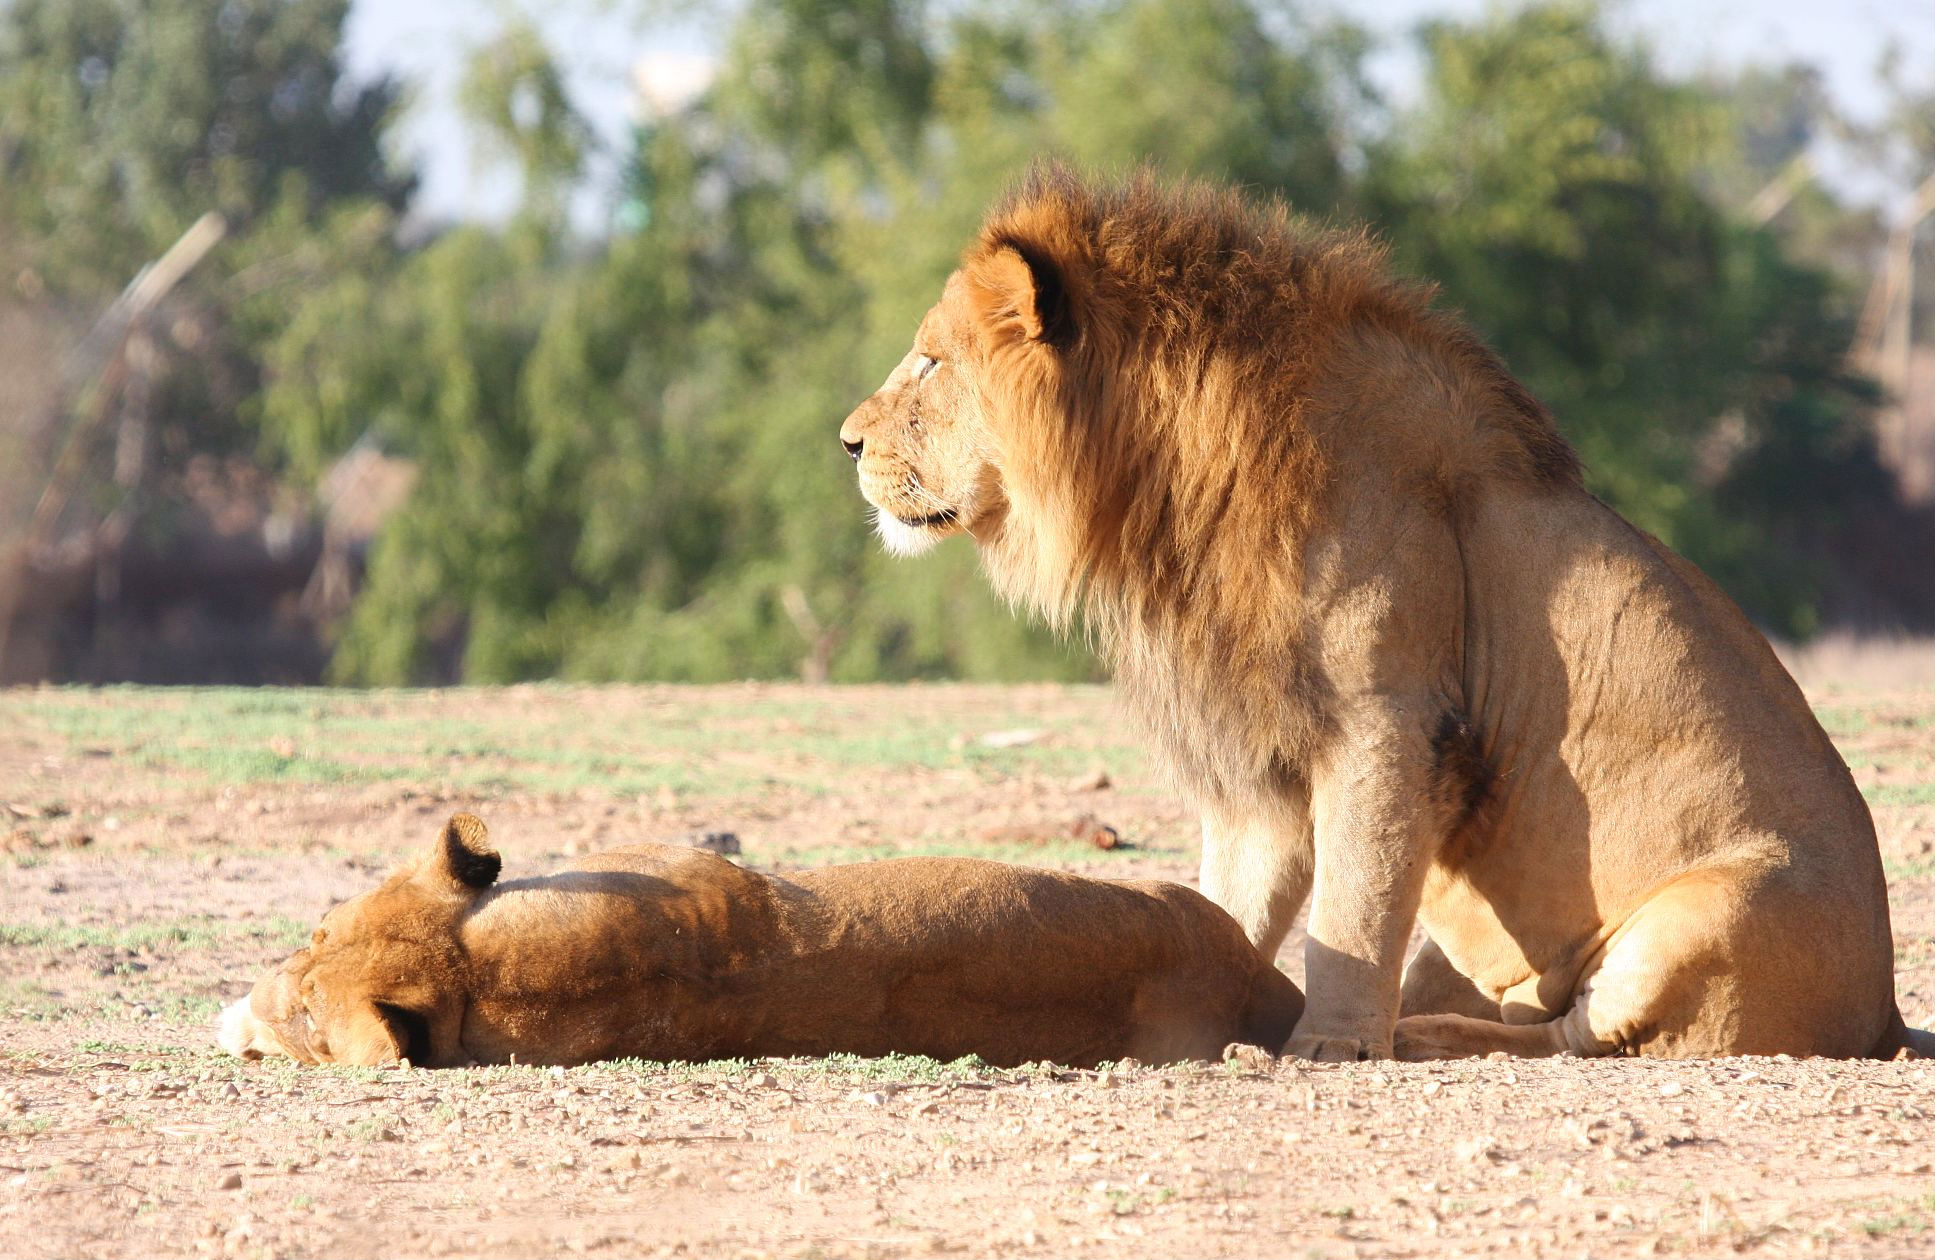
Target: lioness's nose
x=854 y=446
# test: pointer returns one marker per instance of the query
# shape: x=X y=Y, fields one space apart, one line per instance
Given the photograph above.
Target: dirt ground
x=163 y=848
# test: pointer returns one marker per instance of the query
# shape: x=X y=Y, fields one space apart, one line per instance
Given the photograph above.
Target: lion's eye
x=924 y=366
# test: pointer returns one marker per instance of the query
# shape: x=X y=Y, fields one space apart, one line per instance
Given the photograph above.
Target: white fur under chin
x=900 y=538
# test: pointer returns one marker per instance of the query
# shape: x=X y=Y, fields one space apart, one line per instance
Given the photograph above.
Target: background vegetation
x=626 y=439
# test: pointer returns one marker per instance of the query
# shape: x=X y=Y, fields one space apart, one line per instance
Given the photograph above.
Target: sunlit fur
x=1158 y=477
x=660 y=952
x=1348 y=579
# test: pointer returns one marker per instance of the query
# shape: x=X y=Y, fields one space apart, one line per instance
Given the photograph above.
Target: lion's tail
x=1898 y=1036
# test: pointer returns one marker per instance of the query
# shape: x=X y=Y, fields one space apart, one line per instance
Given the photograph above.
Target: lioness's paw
x=1248 y=1058
x=1322 y=1049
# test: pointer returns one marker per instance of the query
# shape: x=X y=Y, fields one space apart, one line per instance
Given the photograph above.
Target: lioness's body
x=1349 y=579
x=664 y=953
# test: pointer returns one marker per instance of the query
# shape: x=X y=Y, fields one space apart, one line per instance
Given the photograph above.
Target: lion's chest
x=1230 y=740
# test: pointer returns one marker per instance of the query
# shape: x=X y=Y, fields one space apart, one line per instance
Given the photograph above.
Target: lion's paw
x=1424 y=1037
x=1322 y=1049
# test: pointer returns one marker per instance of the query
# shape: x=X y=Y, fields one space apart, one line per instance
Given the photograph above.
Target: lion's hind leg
x=1464 y=1037
x=1722 y=961
x=1432 y=986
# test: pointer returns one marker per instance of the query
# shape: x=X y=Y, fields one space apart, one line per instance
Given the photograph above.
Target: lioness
x=1348 y=577
x=659 y=952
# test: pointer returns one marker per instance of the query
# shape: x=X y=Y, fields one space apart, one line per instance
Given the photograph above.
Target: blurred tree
x=1553 y=181
x=122 y=121
x=626 y=445
x=514 y=95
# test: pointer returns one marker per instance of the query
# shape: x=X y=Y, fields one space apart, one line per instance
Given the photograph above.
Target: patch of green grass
x=1841 y=722
x=179 y=1008
x=1881 y=1226
x=1900 y=794
x=227 y=763
x=23 y=999
x=110 y=1047
x=377 y=1127
x=190 y=932
x=141 y=1058
x=1058 y=852
x=1908 y=868
x=709 y=741
x=893 y=1068
x=37 y=1004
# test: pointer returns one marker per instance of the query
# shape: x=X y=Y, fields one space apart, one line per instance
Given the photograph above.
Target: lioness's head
x=383 y=978
x=930 y=462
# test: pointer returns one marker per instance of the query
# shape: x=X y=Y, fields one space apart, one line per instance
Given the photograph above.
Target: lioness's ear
x=1023 y=286
x=463 y=857
x=381 y=1033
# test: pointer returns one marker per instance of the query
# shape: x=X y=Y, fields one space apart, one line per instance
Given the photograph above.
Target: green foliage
x=122 y=121
x=515 y=94
x=1552 y=182
x=626 y=444
x=667 y=499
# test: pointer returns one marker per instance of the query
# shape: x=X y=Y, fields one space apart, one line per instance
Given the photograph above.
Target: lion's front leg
x=1376 y=827
x=1258 y=869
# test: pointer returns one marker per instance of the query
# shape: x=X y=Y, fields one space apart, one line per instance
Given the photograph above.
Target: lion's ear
x=1023 y=287
x=463 y=860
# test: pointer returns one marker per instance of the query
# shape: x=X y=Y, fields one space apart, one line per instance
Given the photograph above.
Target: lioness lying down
x=663 y=953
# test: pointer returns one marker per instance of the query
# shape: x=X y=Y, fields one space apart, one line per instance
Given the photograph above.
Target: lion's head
x=1117 y=395
x=1094 y=396
x=929 y=461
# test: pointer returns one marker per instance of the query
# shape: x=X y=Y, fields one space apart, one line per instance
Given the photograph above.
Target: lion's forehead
x=947 y=324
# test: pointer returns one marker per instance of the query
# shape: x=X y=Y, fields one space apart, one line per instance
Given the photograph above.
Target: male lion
x=658 y=952
x=1348 y=578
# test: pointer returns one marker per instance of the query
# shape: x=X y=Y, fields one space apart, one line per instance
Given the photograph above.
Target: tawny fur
x=1347 y=576
x=663 y=953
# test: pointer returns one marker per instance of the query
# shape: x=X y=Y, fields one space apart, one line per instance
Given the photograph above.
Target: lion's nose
x=854 y=447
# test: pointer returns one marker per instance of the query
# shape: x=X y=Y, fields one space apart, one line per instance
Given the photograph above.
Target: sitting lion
x=658 y=952
x=1407 y=666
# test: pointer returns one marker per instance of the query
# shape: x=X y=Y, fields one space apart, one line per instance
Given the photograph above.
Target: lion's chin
x=904 y=539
